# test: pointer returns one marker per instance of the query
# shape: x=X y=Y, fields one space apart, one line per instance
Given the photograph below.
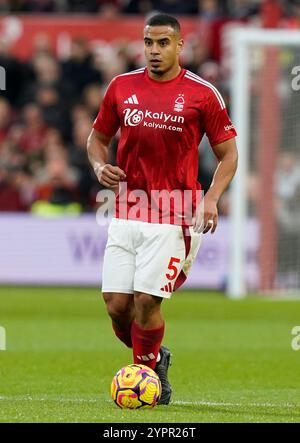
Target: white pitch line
x=235 y=405
x=176 y=402
x=55 y=399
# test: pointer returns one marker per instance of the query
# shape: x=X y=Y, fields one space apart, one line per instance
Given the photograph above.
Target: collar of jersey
x=157 y=82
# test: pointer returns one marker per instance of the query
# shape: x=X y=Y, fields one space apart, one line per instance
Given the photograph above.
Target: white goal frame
x=242 y=39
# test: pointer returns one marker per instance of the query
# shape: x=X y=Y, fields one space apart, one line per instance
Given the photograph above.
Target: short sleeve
x=107 y=120
x=216 y=123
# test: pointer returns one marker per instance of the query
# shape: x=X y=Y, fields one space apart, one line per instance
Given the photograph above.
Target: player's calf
x=120 y=308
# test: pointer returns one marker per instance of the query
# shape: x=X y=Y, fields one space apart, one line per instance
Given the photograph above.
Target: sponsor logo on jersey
x=133 y=117
x=228 y=127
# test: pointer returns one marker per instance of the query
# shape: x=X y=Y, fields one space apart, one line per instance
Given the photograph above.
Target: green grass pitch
x=232 y=360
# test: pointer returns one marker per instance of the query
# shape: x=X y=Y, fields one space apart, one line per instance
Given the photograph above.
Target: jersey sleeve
x=107 y=121
x=217 y=124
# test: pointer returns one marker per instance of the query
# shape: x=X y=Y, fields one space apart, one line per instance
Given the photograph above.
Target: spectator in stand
x=82 y=6
x=11 y=143
x=17 y=73
x=25 y=185
x=209 y=9
x=176 y=6
x=92 y=97
x=78 y=71
x=42 y=45
x=288 y=217
x=39 y=6
x=55 y=111
x=4 y=6
x=79 y=113
x=210 y=71
x=88 y=185
x=35 y=129
x=138 y=6
x=10 y=198
x=57 y=194
x=210 y=22
x=288 y=175
x=53 y=137
x=5 y=119
x=47 y=73
x=109 y=8
x=295 y=22
x=253 y=184
x=199 y=56
x=125 y=56
x=243 y=9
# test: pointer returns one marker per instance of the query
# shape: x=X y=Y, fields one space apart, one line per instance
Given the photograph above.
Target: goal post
x=262 y=108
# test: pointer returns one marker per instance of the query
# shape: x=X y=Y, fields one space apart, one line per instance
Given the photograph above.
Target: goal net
x=265 y=196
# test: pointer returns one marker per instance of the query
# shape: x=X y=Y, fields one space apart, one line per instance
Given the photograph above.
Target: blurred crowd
x=210 y=8
x=207 y=8
x=46 y=114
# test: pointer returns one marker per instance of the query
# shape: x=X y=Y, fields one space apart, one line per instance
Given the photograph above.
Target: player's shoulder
x=131 y=75
x=205 y=88
x=199 y=82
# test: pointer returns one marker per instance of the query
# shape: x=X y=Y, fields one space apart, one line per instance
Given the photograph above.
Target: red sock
x=124 y=336
x=146 y=344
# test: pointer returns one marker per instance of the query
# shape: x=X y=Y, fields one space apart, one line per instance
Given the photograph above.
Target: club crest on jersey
x=179 y=103
x=133 y=117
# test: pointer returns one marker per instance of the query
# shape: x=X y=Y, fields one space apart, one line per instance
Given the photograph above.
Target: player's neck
x=166 y=76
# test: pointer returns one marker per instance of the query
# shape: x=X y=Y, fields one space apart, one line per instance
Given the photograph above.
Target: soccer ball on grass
x=136 y=386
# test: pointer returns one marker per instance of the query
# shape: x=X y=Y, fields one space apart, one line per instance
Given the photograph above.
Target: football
x=136 y=386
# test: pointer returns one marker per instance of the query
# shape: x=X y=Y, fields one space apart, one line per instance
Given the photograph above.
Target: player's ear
x=180 y=46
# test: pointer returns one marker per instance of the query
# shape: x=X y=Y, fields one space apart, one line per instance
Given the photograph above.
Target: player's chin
x=157 y=70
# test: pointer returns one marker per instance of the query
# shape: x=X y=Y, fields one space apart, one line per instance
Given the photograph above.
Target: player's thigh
x=160 y=259
x=119 y=260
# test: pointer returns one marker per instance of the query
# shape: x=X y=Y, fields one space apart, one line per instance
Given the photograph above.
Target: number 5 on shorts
x=173 y=268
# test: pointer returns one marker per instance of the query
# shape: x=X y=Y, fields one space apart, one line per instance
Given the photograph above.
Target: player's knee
x=146 y=303
x=116 y=307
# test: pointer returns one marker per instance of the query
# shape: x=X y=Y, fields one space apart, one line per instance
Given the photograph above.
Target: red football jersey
x=162 y=124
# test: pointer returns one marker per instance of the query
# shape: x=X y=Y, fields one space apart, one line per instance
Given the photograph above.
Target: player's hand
x=109 y=176
x=206 y=217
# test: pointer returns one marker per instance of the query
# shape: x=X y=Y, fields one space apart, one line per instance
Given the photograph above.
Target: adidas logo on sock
x=132 y=100
x=146 y=357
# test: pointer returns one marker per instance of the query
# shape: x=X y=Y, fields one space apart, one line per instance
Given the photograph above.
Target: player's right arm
x=97 y=148
x=104 y=128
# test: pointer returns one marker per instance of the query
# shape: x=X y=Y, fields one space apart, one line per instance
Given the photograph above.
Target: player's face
x=162 y=48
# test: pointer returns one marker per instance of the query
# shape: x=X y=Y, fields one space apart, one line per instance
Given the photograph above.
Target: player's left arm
x=227 y=156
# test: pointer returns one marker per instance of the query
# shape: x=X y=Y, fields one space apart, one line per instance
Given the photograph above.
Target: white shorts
x=145 y=257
